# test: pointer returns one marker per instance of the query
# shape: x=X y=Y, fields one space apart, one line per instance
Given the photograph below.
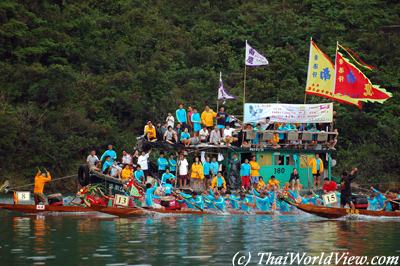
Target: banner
x=289 y=113
x=321 y=77
x=254 y=58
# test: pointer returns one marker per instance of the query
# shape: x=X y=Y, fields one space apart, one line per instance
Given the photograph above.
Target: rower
x=41 y=179
x=219 y=201
x=198 y=200
x=244 y=202
x=233 y=200
x=262 y=202
x=149 y=196
x=168 y=187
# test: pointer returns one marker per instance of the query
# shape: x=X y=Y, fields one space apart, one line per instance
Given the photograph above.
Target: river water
x=99 y=239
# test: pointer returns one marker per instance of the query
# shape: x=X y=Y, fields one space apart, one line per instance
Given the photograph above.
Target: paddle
x=195 y=205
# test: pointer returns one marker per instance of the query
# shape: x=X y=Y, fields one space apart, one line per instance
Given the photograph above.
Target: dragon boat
x=334 y=213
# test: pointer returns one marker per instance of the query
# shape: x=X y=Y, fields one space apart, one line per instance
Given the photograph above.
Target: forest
x=78 y=75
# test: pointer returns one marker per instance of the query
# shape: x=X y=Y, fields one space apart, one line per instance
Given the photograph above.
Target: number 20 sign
x=121 y=200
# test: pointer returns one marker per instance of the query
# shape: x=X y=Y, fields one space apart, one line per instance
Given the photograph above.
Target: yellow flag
x=321 y=77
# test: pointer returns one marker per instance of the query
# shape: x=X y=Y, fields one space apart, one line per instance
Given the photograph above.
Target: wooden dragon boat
x=44 y=208
x=334 y=213
x=130 y=212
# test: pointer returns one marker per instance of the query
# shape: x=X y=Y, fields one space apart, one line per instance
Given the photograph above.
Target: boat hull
x=131 y=212
x=334 y=213
x=43 y=208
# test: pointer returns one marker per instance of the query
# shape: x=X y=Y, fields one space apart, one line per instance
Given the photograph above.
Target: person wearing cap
x=150 y=132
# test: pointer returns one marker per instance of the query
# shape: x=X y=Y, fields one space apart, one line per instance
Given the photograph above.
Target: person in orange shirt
x=41 y=179
x=126 y=173
x=150 y=132
x=207 y=118
x=254 y=174
x=197 y=174
x=273 y=184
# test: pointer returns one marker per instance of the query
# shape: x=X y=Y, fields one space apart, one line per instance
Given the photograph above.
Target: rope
x=31 y=184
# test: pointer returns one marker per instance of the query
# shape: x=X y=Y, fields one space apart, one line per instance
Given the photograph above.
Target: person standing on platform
x=162 y=164
x=196 y=121
x=317 y=169
x=183 y=171
x=110 y=152
x=255 y=167
x=41 y=179
x=181 y=116
x=245 y=169
x=207 y=118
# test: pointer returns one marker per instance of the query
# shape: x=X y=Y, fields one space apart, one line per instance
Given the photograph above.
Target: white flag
x=222 y=93
x=254 y=58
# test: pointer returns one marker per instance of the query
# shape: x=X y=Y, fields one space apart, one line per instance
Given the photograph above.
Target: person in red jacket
x=329 y=185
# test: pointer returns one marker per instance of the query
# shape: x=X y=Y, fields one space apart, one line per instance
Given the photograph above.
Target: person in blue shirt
x=263 y=202
x=245 y=174
x=181 y=116
x=139 y=175
x=219 y=202
x=168 y=187
x=198 y=200
x=162 y=164
x=172 y=164
x=185 y=137
x=214 y=167
x=244 y=202
x=373 y=203
x=149 y=195
x=233 y=200
x=107 y=165
x=167 y=176
x=282 y=127
x=196 y=120
x=110 y=152
x=207 y=172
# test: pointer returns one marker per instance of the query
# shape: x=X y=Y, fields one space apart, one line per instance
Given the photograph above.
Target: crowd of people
x=189 y=127
x=245 y=188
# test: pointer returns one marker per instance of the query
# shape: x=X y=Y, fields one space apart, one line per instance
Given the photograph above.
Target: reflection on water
x=183 y=240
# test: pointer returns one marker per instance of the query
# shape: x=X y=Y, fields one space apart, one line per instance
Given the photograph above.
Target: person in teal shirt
x=162 y=164
x=168 y=187
x=107 y=165
x=282 y=127
x=139 y=175
x=262 y=202
x=167 y=176
x=214 y=167
x=185 y=135
x=196 y=120
x=181 y=115
x=233 y=200
x=219 y=202
x=149 y=195
x=244 y=202
x=245 y=173
x=172 y=164
x=110 y=152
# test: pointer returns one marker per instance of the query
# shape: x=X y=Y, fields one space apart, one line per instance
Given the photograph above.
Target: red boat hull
x=43 y=209
x=333 y=213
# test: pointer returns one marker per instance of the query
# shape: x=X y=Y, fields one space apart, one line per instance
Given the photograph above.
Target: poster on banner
x=289 y=113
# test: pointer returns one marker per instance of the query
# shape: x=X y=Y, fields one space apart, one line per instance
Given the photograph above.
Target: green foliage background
x=76 y=75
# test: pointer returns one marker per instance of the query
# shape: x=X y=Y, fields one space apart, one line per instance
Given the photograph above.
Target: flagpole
x=309 y=60
x=244 y=78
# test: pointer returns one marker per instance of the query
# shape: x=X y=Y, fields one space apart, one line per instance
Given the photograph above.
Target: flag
x=222 y=93
x=321 y=77
x=352 y=82
x=254 y=58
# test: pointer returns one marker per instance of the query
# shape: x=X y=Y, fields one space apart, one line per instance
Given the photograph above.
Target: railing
x=301 y=139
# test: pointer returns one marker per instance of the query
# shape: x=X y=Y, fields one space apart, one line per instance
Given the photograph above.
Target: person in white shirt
x=183 y=171
x=92 y=160
x=170 y=120
x=126 y=158
x=228 y=135
x=203 y=134
x=215 y=136
x=143 y=162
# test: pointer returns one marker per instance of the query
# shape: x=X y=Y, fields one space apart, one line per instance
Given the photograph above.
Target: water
x=183 y=239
